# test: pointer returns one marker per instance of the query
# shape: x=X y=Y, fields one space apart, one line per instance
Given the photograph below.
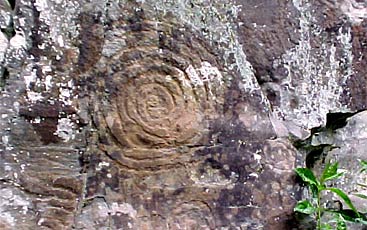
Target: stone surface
x=348 y=141
x=154 y=114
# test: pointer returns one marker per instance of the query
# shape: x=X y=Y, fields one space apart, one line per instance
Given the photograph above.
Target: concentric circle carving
x=165 y=85
x=159 y=111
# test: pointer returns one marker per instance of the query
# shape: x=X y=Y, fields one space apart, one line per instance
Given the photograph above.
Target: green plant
x=364 y=165
x=363 y=169
x=314 y=206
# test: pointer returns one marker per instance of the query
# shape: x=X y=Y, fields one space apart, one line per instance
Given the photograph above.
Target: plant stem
x=318 y=210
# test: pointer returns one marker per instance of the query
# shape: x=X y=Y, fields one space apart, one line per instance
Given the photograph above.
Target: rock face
x=153 y=114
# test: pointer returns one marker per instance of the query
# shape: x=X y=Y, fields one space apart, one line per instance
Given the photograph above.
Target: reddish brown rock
x=167 y=115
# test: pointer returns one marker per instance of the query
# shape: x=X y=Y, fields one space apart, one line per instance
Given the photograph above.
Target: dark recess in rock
x=334 y=121
x=314 y=153
x=12 y=4
x=9 y=31
x=337 y=120
x=4 y=75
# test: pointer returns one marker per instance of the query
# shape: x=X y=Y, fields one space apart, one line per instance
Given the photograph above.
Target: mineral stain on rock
x=91 y=41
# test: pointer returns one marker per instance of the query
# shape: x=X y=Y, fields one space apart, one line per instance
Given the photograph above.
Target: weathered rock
x=348 y=141
x=341 y=141
x=160 y=114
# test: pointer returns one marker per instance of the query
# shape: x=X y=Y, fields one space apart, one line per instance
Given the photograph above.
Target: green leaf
x=364 y=165
x=330 y=172
x=340 y=224
x=362 y=185
x=361 y=195
x=307 y=176
x=344 y=197
x=349 y=215
x=326 y=227
x=336 y=176
x=8 y=3
x=315 y=190
x=305 y=207
x=361 y=221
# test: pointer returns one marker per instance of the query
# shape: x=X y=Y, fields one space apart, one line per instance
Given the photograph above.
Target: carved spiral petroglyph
x=164 y=87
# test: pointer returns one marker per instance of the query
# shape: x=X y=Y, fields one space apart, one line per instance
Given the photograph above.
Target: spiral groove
x=164 y=89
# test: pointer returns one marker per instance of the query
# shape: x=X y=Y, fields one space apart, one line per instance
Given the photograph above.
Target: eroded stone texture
x=179 y=145
x=169 y=124
x=307 y=57
x=40 y=148
x=167 y=114
x=342 y=141
x=347 y=141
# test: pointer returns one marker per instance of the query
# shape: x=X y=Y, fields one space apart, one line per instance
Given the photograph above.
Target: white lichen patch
x=5 y=140
x=36 y=120
x=102 y=165
x=215 y=20
x=58 y=21
x=60 y=41
x=66 y=95
x=206 y=78
x=5 y=15
x=114 y=42
x=257 y=156
x=34 y=96
x=65 y=129
x=30 y=78
x=123 y=208
x=60 y=16
x=210 y=73
x=18 y=41
x=315 y=78
x=213 y=178
x=253 y=174
x=11 y=201
x=4 y=44
x=6 y=216
x=40 y=221
x=48 y=82
x=194 y=77
x=41 y=5
x=355 y=10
